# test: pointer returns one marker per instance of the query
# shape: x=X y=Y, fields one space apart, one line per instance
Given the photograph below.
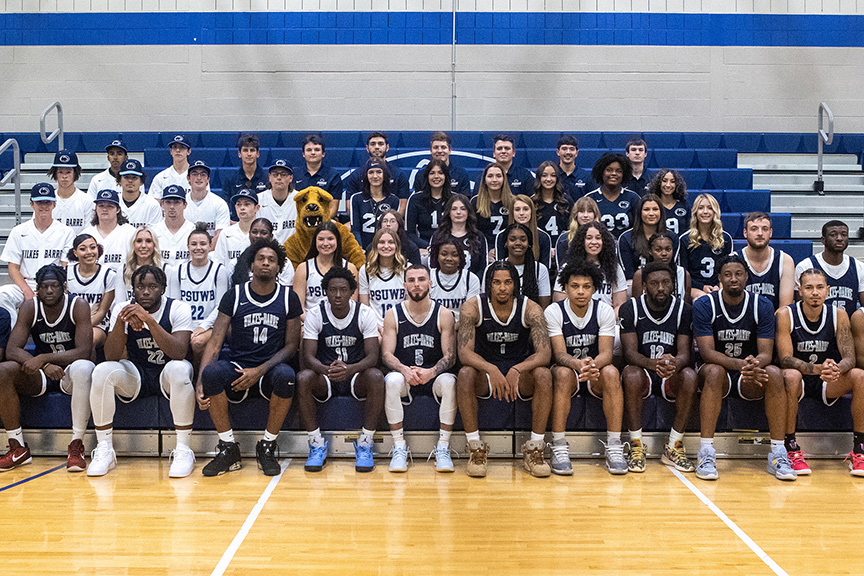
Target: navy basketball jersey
x=258 y=328
x=418 y=344
x=552 y=221
x=502 y=343
x=141 y=347
x=618 y=215
x=737 y=336
x=657 y=336
x=54 y=337
x=365 y=212
x=343 y=344
x=495 y=223
x=677 y=218
x=814 y=342
x=580 y=342
x=768 y=282
x=843 y=291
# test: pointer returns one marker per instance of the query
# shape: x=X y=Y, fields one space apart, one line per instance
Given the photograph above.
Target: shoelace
x=615 y=451
x=406 y=453
x=708 y=459
x=477 y=456
x=560 y=452
x=440 y=452
x=857 y=459
x=796 y=457
x=781 y=460
x=173 y=455
x=535 y=456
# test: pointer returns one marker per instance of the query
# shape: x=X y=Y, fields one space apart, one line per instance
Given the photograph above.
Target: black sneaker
x=266 y=453
x=227 y=459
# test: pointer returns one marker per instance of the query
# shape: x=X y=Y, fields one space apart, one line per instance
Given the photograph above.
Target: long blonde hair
x=484 y=207
x=715 y=236
x=132 y=263
x=532 y=224
x=373 y=267
x=583 y=204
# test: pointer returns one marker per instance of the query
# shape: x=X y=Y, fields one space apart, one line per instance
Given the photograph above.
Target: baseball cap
x=108 y=195
x=281 y=164
x=174 y=191
x=201 y=165
x=180 y=139
x=245 y=193
x=117 y=144
x=65 y=159
x=132 y=167
x=43 y=192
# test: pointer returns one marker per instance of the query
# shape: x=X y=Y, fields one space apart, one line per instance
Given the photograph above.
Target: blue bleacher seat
x=412 y=140
x=157 y=157
x=588 y=157
x=544 y=140
x=730 y=178
x=656 y=140
x=535 y=156
x=589 y=139
x=671 y=158
x=96 y=141
x=616 y=141
x=53 y=410
x=218 y=140
x=744 y=142
x=703 y=140
x=695 y=178
x=269 y=139
x=737 y=200
x=717 y=158
x=848 y=143
x=815 y=416
x=575 y=419
x=214 y=157
x=149 y=173
x=333 y=140
x=782 y=143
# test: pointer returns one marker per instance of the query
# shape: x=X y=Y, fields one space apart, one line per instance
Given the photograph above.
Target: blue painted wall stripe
x=415 y=28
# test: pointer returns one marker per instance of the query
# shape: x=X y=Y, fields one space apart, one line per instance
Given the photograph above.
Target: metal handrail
x=58 y=133
x=14 y=174
x=819 y=185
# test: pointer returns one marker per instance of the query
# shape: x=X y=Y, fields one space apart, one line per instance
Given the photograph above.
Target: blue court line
x=32 y=477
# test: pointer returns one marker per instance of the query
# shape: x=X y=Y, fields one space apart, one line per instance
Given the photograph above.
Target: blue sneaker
x=706 y=463
x=443 y=461
x=399 y=459
x=317 y=457
x=778 y=465
x=363 y=454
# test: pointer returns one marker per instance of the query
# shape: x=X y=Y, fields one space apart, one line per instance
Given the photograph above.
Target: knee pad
x=445 y=388
x=394 y=382
x=394 y=386
x=217 y=377
x=80 y=372
x=177 y=371
x=101 y=375
x=282 y=377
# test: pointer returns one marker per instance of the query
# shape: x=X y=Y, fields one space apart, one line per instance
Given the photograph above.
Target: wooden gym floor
x=134 y=521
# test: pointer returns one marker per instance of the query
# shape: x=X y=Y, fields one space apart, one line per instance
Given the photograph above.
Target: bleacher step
x=771 y=161
x=780 y=180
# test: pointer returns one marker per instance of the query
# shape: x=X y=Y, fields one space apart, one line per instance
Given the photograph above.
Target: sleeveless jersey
x=580 y=342
x=657 y=336
x=141 y=348
x=495 y=223
x=843 y=291
x=735 y=337
x=385 y=292
x=768 y=282
x=314 y=291
x=418 y=344
x=552 y=221
x=258 y=328
x=364 y=215
x=502 y=343
x=57 y=336
x=677 y=218
x=200 y=295
x=450 y=290
x=93 y=289
x=814 y=343
x=345 y=344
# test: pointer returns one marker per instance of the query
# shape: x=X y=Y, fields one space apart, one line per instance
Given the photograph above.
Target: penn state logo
x=281 y=163
x=64 y=158
x=178 y=138
x=516 y=183
x=503 y=211
x=105 y=195
x=680 y=211
x=322 y=182
x=117 y=143
x=383 y=208
x=624 y=204
x=130 y=165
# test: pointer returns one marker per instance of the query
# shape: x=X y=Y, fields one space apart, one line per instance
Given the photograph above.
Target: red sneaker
x=796 y=460
x=856 y=464
x=75 y=457
x=17 y=456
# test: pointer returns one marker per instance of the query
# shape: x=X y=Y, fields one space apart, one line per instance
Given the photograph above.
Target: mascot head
x=313 y=207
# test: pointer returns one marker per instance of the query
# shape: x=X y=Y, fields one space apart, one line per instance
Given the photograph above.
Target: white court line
x=732 y=526
x=247 y=525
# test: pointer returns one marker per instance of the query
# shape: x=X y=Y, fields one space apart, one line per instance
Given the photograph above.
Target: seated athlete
x=264 y=318
x=656 y=332
x=145 y=354
x=59 y=325
x=419 y=347
x=340 y=354
x=734 y=332
x=817 y=355
x=582 y=331
x=504 y=350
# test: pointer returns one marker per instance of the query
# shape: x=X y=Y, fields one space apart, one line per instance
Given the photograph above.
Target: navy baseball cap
x=180 y=139
x=199 y=164
x=245 y=193
x=43 y=192
x=65 y=159
x=132 y=167
x=281 y=164
x=174 y=191
x=117 y=144
x=108 y=195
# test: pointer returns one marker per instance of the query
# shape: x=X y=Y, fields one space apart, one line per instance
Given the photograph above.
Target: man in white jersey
x=173 y=232
x=139 y=208
x=74 y=208
x=117 y=155
x=277 y=204
x=202 y=205
x=31 y=245
x=844 y=274
x=176 y=173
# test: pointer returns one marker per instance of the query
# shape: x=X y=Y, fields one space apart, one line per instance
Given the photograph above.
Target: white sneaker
x=102 y=460
x=184 y=462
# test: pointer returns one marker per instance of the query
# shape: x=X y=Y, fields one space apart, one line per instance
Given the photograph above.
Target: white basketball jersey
x=92 y=289
x=452 y=290
x=202 y=295
x=385 y=291
x=174 y=248
x=314 y=291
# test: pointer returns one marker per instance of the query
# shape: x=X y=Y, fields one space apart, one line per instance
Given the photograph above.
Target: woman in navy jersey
x=459 y=222
x=92 y=282
x=392 y=221
x=552 y=204
x=368 y=205
x=633 y=244
x=661 y=248
x=703 y=247
x=382 y=278
x=493 y=202
x=425 y=207
x=669 y=186
x=617 y=204
x=584 y=211
x=324 y=253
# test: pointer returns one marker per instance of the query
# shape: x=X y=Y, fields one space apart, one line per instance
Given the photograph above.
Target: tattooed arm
x=844 y=341
x=785 y=348
x=448 y=346
x=469 y=316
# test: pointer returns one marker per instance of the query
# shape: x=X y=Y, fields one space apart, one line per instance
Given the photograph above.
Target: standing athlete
x=844 y=274
x=771 y=271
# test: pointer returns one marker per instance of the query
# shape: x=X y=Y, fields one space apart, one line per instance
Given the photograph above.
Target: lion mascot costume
x=313 y=207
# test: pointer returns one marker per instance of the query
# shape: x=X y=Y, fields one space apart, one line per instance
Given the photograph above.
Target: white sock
x=537 y=437
x=105 y=436
x=366 y=436
x=706 y=442
x=268 y=437
x=775 y=444
x=636 y=434
x=444 y=435
x=613 y=437
x=558 y=436
x=227 y=436
x=675 y=436
x=183 y=437
x=470 y=436
x=315 y=437
x=16 y=434
x=78 y=434
x=398 y=434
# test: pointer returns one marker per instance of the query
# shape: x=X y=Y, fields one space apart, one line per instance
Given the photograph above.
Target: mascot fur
x=313 y=207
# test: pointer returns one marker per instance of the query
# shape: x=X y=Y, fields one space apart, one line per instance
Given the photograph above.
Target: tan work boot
x=477 y=458
x=533 y=461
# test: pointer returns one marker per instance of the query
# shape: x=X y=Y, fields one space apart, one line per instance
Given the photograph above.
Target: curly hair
x=607 y=259
x=605 y=161
x=680 y=193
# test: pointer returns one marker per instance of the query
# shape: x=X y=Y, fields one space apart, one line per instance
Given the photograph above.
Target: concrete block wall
x=613 y=65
